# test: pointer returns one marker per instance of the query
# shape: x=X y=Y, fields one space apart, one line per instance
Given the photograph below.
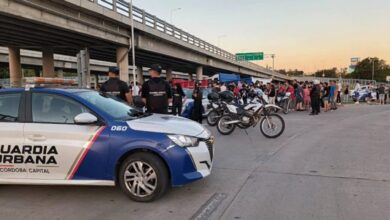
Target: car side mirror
x=85 y=119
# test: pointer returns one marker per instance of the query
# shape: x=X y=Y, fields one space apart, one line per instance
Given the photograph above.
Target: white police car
x=82 y=137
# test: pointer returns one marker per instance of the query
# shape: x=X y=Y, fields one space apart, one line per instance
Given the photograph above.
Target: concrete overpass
x=33 y=60
x=68 y=26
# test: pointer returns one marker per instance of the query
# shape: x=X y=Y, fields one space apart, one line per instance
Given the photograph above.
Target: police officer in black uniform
x=156 y=92
x=116 y=87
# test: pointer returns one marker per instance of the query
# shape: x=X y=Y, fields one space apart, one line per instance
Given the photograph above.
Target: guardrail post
x=114 y=8
x=143 y=17
x=154 y=22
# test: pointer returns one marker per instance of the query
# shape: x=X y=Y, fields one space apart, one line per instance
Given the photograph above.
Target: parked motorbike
x=217 y=110
x=257 y=111
x=284 y=102
x=218 y=102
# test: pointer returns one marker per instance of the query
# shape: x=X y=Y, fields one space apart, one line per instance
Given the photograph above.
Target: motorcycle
x=284 y=102
x=216 y=112
x=257 y=111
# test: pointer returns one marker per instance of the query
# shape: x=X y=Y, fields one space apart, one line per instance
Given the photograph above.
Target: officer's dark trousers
x=176 y=109
x=315 y=105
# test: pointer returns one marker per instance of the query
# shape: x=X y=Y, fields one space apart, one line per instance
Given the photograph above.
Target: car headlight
x=184 y=141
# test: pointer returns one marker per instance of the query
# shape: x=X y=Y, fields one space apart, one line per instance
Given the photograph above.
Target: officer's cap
x=114 y=69
x=156 y=67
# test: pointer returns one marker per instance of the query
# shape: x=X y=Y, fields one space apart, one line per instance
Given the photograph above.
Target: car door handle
x=36 y=137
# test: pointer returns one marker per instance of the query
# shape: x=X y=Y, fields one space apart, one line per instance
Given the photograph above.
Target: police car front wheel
x=143 y=177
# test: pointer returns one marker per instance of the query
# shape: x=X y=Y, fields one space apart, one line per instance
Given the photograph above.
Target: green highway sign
x=249 y=56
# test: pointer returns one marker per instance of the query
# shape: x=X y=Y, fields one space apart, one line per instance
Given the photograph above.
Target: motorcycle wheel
x=275 y=128
x=212 y=118
x=223 y=128
x=286 y=107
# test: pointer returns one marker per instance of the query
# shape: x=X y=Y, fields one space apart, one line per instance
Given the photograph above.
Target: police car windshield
x=111 y=105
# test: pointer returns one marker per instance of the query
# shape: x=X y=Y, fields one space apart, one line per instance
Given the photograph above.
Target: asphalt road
x=333 y=166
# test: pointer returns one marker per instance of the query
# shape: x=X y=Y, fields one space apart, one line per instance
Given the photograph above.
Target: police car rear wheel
x=143 y=177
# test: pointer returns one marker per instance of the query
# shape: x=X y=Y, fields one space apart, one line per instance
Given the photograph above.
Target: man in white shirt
x=339 y=88
x=356 y=91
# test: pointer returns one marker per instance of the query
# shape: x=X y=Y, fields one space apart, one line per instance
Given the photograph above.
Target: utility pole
x=273 y=60
x=373 y=68
x=132 y=44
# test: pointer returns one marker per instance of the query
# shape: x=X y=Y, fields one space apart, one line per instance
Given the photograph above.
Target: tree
x=363 y=69
x=292 y=72
x=328 y=73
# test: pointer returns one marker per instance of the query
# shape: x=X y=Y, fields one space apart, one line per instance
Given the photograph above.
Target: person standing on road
x=356 y=92
x=291 y=90
x=315 y=98
x=272 y=94
x=306 y=96
x=178 y=97
x=325 y=96
x=197 y=96
x=381 y=92
x=332 y=95
x=244 y=94
x=339 y=89
x=116 y=87
x=299 y=96
x=156 y=92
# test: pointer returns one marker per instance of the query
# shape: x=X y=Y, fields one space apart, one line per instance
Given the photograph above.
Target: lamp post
x=132 y=44
x=173 y=11
x=273 y=60
x=373 y=68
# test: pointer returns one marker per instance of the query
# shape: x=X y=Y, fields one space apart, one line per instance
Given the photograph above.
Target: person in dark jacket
x=177 y=99
x=116 y=87
x=315 y=98
x=197 y=95
x=156 y=92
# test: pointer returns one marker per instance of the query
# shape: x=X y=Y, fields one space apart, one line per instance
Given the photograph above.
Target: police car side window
x=48 y=108
x=9 y=107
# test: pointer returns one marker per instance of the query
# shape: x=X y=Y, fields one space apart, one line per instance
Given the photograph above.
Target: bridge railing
x=141 y=16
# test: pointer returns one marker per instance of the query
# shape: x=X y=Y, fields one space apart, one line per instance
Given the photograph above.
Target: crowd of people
x=304 y=96
x=157 y=93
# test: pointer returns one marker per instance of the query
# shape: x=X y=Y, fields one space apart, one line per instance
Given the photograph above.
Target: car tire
x=143 y=177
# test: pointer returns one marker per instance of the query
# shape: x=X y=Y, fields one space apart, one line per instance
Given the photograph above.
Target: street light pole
x=132 y=44
x=273 y=60
x=172 y=11
x=373 y=68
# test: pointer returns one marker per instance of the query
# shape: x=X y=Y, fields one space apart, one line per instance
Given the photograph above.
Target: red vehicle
x=190 y=84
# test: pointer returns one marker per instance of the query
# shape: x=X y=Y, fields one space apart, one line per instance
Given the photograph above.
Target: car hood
x=170 y=125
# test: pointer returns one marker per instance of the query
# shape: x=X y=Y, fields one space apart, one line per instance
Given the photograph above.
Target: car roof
x=43 y=89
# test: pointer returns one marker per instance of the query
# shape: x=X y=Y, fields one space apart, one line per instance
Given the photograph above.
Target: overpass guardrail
x=141 y=16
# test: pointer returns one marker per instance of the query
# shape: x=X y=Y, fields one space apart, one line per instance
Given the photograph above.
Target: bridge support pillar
x=15 y=67
x=140 y=75
x=48 y=63
x=122 y=60
x=199 y=73
x=169 y=74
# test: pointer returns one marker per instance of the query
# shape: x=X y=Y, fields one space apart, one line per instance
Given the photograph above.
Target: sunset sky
x=304 y=34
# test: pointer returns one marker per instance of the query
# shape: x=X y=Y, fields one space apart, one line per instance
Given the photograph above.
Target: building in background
x=354 y=63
